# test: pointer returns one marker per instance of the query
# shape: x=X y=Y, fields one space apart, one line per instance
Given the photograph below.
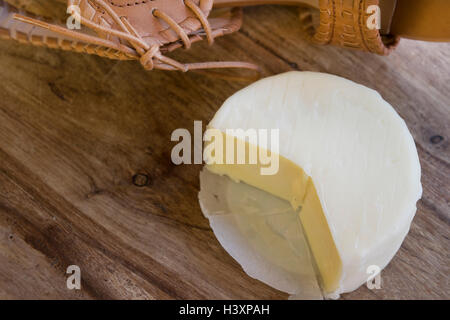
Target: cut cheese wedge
x=262 y=233
x=346 y=160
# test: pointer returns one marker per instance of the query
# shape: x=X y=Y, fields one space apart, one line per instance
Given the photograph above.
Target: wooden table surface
x=86 y=177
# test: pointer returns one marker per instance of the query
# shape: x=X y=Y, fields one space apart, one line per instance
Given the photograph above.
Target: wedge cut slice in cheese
x=346 y=160
x=262 y=232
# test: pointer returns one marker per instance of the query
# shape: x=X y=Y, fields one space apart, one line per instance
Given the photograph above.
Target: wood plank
x=86 y=176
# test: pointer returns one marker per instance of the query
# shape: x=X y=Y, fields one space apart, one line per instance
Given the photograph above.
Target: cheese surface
x=346 y=159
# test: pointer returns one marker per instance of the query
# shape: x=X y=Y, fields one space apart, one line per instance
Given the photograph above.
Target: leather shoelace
x=150 y=56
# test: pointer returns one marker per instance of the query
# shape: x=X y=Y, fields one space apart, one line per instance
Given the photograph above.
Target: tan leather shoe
x=124 y=29
x=348 y=23
x=146 y=30
x=43 y=8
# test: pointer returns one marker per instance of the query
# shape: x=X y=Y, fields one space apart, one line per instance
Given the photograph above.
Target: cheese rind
x=358 y=153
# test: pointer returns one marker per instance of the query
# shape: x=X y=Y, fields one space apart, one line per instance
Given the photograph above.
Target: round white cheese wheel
x=355 y=148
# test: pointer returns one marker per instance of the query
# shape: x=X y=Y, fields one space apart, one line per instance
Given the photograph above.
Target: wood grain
x=86 y=176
